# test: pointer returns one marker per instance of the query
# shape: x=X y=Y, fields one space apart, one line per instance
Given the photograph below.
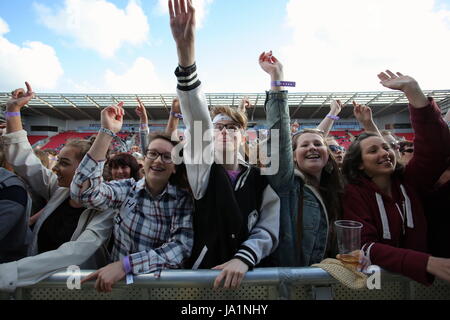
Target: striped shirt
x=155 y=233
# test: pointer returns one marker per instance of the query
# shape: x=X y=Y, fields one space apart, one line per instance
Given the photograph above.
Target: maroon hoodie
x=394 y=233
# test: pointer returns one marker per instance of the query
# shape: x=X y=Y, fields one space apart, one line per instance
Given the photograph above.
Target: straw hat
x=350 y=278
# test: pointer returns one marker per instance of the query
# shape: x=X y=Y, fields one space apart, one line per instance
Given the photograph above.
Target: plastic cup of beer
x=348 y=234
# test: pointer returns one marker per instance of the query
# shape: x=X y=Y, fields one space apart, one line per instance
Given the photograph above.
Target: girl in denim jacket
x=308 y=181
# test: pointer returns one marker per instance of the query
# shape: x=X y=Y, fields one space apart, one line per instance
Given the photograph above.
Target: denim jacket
x=290 y=184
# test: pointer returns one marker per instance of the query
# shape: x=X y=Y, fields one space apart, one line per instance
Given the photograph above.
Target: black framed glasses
x=166 y=157
x=229 y=126
x=336 y=148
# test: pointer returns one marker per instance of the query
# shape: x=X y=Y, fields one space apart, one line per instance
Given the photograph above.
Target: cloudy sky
x=125 y=46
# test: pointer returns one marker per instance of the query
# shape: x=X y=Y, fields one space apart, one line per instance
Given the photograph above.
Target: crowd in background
x=122 y=209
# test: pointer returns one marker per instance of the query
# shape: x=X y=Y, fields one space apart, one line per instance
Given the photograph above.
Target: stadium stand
x=34 y=139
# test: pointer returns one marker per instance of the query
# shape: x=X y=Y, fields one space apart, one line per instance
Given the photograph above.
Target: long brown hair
x=353 y=159
x=330 y=185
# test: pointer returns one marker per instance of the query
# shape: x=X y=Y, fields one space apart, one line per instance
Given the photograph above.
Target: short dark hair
x=125 y=160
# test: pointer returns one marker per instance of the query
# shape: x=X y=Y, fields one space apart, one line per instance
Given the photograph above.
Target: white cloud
x=33 y=61
x=201 y=9
x=343 y=45
x=98 y=24
x=4 y=28
x=141 y=77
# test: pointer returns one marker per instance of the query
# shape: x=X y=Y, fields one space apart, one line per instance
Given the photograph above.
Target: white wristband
x=107 y=131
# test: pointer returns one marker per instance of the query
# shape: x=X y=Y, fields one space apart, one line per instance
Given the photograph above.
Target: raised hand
x=112 y=117
x=176 y=105
x=362 y=113
x=396 y=81
x=141 y=112
x=19 y=98
x=407 y=85
x=182 y=24
x=271 y=65
x=244 y=104
x=335 y=107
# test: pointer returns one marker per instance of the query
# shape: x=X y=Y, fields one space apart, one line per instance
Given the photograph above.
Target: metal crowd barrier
x=259 y=284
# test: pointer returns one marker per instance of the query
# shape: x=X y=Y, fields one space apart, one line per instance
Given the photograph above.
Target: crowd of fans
x=141 y=210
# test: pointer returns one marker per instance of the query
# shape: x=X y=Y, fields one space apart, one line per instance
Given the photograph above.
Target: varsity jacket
x=240 y=222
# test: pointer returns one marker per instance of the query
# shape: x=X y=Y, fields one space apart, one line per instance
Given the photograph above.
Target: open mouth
x=313 y=156
x=157 y=169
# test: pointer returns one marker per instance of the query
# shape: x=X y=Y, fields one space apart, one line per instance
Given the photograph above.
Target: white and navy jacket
x=240 y=221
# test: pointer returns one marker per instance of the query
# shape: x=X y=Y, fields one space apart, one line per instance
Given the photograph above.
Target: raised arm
x=363 y=114
x=182 y=24
x=174 y=118
x=327 y=122
x=87 y=186
x=18 y=149
x=143 y=126
x=198 y=153
x=278 y=121
x=432 y=137
x=19 y=98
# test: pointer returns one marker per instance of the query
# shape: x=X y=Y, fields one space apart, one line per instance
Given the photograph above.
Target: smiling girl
x=66 y=232
x=387 y=198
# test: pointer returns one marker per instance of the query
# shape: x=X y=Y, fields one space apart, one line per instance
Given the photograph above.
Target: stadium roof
x=306 y=105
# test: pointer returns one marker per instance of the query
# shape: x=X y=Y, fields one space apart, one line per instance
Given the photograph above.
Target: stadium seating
x=56 y=142
x=407 y=136
x=34 y=139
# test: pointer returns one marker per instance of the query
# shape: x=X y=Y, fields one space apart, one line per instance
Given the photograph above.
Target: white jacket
x=93 y=229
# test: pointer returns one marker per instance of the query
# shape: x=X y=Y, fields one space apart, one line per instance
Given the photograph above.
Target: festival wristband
x=12 y=114
x=128 y=271
x=107 y=131
x=332 y=117
x=144 y=126
x=177 y=115
x=279 y=83
x=126 y=264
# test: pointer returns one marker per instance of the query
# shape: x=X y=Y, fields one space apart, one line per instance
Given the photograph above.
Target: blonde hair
x=82 y=145
x=237 y=114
